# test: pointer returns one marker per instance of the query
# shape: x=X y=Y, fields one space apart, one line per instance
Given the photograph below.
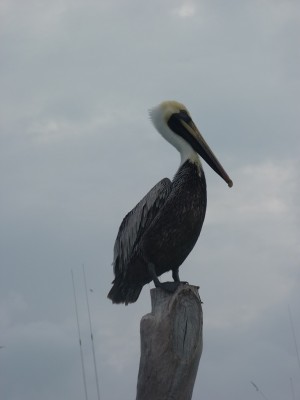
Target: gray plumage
x=161 y=230
x=136 y=222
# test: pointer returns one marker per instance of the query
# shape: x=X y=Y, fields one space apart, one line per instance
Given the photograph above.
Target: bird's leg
x=167 y=286
x=175 y=275
x=151 y=270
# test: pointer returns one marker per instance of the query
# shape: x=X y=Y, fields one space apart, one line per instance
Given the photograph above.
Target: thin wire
x=259 y=391
x=79 y=337
x=292 y=388
x=91 y=332
x=294 y=336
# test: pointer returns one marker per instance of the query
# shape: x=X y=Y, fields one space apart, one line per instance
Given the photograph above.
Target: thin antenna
x=294 y=336
x=258 y=390
x=91 y=332
x=79 y=337
x=292 y=388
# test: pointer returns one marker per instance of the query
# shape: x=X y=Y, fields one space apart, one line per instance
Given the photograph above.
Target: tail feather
x=124 y=292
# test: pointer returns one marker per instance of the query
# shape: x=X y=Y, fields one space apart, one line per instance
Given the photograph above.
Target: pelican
x=158 y=234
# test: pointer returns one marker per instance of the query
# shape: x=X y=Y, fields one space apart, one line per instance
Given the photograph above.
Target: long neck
x=187 y=153
x=189 y=173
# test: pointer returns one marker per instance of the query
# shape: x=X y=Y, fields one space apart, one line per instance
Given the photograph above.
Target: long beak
x=188 y=130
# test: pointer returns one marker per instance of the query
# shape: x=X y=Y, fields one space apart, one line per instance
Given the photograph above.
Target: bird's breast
x=175 y=230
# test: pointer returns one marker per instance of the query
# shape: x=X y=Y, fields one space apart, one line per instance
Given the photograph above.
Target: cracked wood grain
x=171 y=345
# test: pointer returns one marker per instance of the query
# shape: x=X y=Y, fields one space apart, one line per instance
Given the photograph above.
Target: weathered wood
x=171 y=345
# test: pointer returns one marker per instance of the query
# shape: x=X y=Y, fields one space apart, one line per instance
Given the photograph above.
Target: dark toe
x=170 y=286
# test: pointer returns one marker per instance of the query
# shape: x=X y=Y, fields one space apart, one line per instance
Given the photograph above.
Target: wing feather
x=136 y=222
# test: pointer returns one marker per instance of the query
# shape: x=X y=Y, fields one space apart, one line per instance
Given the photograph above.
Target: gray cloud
x=78 y=151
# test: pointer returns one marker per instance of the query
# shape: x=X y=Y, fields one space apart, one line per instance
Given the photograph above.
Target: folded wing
x=136 y=222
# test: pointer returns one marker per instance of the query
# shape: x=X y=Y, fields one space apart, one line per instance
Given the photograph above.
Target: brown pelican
x=162 y=229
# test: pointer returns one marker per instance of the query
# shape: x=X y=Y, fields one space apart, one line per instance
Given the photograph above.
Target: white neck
x=185 y=149
x=188 y=153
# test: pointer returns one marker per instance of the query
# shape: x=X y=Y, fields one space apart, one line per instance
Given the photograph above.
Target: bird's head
x=174 y=123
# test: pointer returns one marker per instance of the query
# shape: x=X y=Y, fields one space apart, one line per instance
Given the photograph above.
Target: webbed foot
x=184 y=283
x=167 y=286
x=170 y=287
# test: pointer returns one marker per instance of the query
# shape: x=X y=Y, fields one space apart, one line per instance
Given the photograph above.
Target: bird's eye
x=183 y=114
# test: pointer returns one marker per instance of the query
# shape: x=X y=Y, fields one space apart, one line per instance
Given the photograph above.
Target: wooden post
x=171 y=345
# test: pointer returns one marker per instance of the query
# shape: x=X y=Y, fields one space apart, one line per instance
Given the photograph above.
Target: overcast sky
x=78 y=152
